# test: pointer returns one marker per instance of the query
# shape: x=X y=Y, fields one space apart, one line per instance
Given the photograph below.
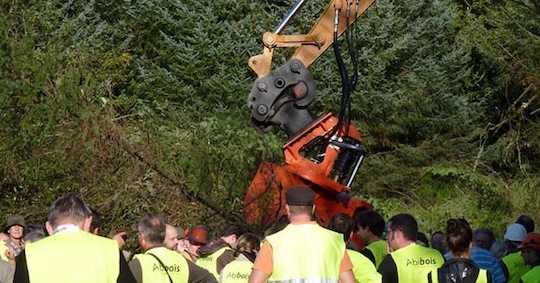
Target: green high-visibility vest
x=378 y=249
x=237 y=271
x=414 y=262
x=210 y=262
x=364 y=270
x=516 y=267
x=532 y=276
x=173 y=263
x=306 y=253
x=73 y=256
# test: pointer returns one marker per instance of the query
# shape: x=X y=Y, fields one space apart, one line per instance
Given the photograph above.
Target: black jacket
x=458 y=270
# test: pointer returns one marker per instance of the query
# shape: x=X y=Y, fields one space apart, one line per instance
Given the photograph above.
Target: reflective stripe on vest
x=73 y=256
x=516 y=266
x=414 y=262
x=306 y=253
x=532 y=276
x=481 y=278
x=237 y=271
x=153 y=271
x=378 y=249
x=363 y=269
x=210 y=262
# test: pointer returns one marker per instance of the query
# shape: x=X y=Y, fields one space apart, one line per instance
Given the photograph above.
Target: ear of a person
x=49 y=228
x=87 y=223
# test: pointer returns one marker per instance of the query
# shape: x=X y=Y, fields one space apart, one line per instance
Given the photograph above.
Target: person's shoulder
x=199 y=274
x=358 y=257
x=387 y=264
x=170 y=252
x=432 y=251
x=482 y=254
x=328 y=232
x=405 y=250
x=512 y=256
x=355 y=253
x=135 y=260
x=100 y=239
x=378 y=243
x=480 y=251
x=368 y=254
x=228 y=252
x=270 y=238
x=531 y=275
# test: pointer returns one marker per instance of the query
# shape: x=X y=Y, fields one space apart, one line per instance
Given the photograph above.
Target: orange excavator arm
x=323 y=152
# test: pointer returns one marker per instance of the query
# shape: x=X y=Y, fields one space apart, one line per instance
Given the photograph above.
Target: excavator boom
x=313 y=44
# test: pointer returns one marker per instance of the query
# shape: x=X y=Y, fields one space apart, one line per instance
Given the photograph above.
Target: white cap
x=515 y=232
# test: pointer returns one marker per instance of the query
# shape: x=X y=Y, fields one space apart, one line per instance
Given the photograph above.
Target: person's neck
x=229 y=240
x=406 y=243
x=66 y=227
x=194 y=255
x=299 y=218
x=371 y=239
x=16 y=241
x=461 y=255
x=151 y=246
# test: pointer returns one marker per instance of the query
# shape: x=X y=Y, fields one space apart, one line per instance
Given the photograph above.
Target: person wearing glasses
x=407 y=261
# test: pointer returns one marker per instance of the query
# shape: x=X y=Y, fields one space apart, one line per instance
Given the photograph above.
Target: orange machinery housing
x=265 y=199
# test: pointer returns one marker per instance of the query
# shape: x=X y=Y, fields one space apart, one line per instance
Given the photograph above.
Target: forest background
x=140 y=106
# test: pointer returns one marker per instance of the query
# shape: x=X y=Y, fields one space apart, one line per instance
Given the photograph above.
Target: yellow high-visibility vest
x=237 y=271
x=378 y=249
x=533 y=276
x=516 y=266
x=363 y=269
x=73 y=256
x=414 y=262
x=306 y=252
x=174 y=264
x=210 y=262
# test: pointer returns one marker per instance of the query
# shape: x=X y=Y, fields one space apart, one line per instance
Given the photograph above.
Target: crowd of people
x=69 y=248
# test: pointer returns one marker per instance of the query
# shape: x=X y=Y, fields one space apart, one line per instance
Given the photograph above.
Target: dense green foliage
x=140 y=106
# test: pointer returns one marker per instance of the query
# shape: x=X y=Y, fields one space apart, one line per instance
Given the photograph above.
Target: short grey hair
x=68 y=207
x=153 y=227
